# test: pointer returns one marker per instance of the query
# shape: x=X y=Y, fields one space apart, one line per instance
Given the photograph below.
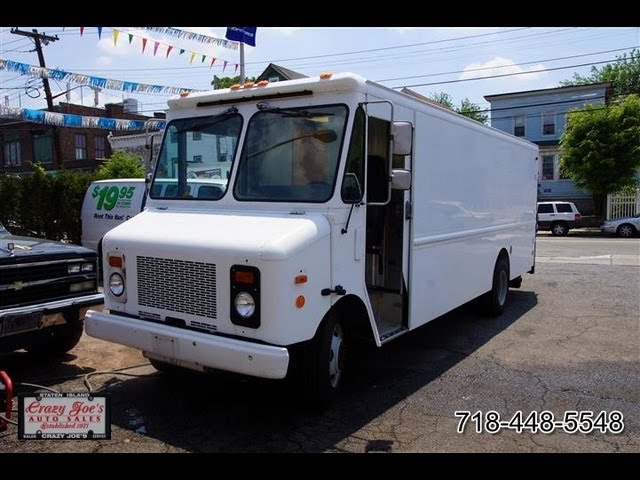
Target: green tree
x=466 y=108
x=624 y=73
x=601 y=147
x=121 y=165
x=472 y=110
x=226 y=82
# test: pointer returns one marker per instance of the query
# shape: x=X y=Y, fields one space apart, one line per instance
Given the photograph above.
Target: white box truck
x=351 y=212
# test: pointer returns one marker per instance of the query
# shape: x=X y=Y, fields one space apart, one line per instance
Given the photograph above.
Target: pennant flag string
x=184 y=35
x=89 y=80
x=79 y=121
x=156 y=43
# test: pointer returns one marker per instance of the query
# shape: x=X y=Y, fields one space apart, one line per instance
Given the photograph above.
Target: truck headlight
x=245 y=304
x=116 y=284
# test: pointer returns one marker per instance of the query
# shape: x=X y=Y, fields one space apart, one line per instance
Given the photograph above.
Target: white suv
x=558 y=217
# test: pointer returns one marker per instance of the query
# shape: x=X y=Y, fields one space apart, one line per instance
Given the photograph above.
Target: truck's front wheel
x=58 y=340
x=323 y=363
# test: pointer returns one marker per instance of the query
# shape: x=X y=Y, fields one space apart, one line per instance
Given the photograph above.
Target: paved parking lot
x=570 y=340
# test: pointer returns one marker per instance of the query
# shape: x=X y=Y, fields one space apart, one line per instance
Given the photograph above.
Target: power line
x=506 y=66
x=504 y=74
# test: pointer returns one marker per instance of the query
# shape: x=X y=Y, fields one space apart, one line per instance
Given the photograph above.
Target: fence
x=622 y=205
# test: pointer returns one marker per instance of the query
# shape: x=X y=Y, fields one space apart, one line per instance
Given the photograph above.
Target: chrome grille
x=177 y=285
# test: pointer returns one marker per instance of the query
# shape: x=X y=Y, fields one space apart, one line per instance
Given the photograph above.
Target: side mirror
x=351 y=189
x=400 y=179
x=402 y=138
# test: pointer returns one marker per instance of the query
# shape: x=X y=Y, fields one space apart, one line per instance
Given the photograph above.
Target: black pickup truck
x=45 y=289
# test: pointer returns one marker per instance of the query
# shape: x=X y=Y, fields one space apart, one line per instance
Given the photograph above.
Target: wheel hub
x=335 y=356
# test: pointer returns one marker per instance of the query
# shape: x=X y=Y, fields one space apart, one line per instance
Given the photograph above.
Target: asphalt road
x=568 y=341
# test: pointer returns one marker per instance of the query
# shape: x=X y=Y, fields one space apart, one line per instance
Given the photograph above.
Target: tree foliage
x=624 y=74
x=50 y=203
x=226 y=82
x=466 y=108
x=601 y=146
x=121 y=165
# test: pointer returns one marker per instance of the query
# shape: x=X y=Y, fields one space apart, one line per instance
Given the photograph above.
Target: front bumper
x=56 y=306
x=608 y=228
x=189 y=347
x=19 y=320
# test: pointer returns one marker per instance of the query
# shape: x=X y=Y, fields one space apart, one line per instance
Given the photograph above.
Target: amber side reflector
x=115 y=262
x=300 y=301
x=300 y=279
x=242 y=276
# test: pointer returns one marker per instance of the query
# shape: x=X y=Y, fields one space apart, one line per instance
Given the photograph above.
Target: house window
x=197 y=136
x=518 y=125
x=81 y=146
x=43 y=146
x=100 y=147
x=12 y=157
x=197 y=159
x=548 y=162
x=549 y=124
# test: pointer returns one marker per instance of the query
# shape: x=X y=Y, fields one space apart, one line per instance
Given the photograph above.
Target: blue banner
x=245 y=35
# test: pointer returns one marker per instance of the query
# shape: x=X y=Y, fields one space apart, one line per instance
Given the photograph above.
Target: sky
x=427 y=59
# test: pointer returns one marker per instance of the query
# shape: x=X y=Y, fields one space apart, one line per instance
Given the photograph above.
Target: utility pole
x=39 y=39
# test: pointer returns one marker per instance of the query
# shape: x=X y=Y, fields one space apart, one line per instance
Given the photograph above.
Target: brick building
x=23 y=143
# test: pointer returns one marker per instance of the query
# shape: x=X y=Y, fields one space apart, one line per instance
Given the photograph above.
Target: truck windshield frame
x=196 y=157
x=290 y=157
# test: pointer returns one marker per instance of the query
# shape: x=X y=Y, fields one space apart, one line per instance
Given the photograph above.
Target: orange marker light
x=263 y=83
x=249 y=84
x=184 y=94
x=326 y=75
x=300 y=279
x=235 y=86
x=115 y=262
x=242 y=276
x=300 y=301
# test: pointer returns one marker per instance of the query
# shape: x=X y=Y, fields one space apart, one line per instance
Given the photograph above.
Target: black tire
x=626 y=230
x=58 y=340
x=559 y=229
x=321 y=367
x=494 y=301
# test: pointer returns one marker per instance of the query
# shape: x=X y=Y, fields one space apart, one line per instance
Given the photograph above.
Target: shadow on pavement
x=229 y=413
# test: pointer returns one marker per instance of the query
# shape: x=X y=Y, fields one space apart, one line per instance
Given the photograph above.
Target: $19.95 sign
x=109 y=197
x=64 y=416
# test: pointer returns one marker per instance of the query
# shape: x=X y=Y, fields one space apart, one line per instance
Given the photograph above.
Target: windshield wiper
x=293 y=112
x=199 y=124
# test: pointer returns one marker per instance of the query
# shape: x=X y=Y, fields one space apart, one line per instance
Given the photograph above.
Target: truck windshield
x=196 y=157
x=291 y=155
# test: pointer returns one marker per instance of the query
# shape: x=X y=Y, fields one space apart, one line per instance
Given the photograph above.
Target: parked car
x=624 y=227
x=558 y=217
x=46 y=287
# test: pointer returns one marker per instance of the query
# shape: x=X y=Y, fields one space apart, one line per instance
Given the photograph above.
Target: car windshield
x=291 y=155
x=196 y=156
